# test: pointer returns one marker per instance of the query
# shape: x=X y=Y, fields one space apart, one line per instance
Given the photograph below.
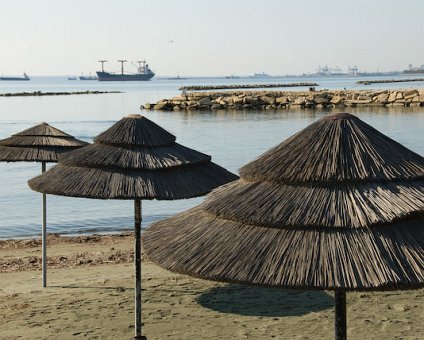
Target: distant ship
x=177 y=78
x=72 y=78
x=232 y=77
x=90 y=77
x=144 y=73
x=260 y=75
x=25 y=77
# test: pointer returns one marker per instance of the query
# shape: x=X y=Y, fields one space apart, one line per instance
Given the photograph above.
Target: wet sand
x=90 y=296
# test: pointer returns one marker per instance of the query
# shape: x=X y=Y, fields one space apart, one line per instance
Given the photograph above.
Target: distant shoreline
x=39 y=93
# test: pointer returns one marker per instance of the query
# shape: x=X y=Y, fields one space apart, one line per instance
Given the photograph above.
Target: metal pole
x=44 y=234
x=122 y=65
x=102 y=62
x=137 y=262
x=340 y=317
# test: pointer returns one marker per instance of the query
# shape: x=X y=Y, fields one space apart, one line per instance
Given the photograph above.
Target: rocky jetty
x=384 y=81
x=243 y=86
x=270 y=100
x=39 y=93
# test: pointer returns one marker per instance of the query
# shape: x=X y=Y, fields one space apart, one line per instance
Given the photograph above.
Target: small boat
x=72 y=78
x=144 y=73
x=232 y=77
x=25 y=77
x=176 y=78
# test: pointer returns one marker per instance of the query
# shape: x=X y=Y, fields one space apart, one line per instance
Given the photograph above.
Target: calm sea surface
x=232 y=138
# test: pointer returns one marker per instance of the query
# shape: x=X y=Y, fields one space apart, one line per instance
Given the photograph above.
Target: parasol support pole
x=137 y=263
x=44 y=234
x=340 y=317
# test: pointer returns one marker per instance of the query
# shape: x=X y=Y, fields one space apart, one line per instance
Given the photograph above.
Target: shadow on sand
x=259 y=301
x=78 y=286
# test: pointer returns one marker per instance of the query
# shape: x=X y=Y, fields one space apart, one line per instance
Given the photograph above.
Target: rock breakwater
x=39 y=93
x=244 y=86
x=270 y=100
x=386 y=81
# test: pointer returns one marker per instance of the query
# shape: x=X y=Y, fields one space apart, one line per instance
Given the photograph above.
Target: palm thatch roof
x=336 y=206
x=40 y=143
x=135 y=158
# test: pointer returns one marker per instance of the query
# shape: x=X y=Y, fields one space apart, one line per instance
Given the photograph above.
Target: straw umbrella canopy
x=133 y=160
x=40 y=143
x=337 y=206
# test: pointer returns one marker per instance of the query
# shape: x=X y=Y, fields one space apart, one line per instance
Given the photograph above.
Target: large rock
x=299 y=100
x=204 y=101
x=197 y=95
x=237 y=100
x=268 y=100
x=281 y=100
x=228 y=100
x=392 y=97
x=164 y=105
x=216 y=107
x=309 y=104
x=381 y=98
x=336 y=100
x=360 y=102
x=252 y=100
x=179 y=98
x=364 y=97
x=399 y=95
x=409 y=93
x=321 y=100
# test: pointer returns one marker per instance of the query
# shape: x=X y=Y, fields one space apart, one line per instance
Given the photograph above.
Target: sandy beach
x=90 y=296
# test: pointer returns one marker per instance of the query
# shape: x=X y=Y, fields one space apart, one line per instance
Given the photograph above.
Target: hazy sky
x=205 y=37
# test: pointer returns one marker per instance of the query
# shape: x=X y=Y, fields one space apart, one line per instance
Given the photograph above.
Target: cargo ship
x=25 y=77
x=144 y=73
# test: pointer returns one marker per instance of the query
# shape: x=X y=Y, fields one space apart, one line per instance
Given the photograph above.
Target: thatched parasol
x=41 y=143
x=338 y=206
x=134 y=159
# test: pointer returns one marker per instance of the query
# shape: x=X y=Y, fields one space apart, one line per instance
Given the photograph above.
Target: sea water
x=231 y=138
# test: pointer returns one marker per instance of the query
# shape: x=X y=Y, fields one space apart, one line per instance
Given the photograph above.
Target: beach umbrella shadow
x=79 y=286
x=259 y=301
